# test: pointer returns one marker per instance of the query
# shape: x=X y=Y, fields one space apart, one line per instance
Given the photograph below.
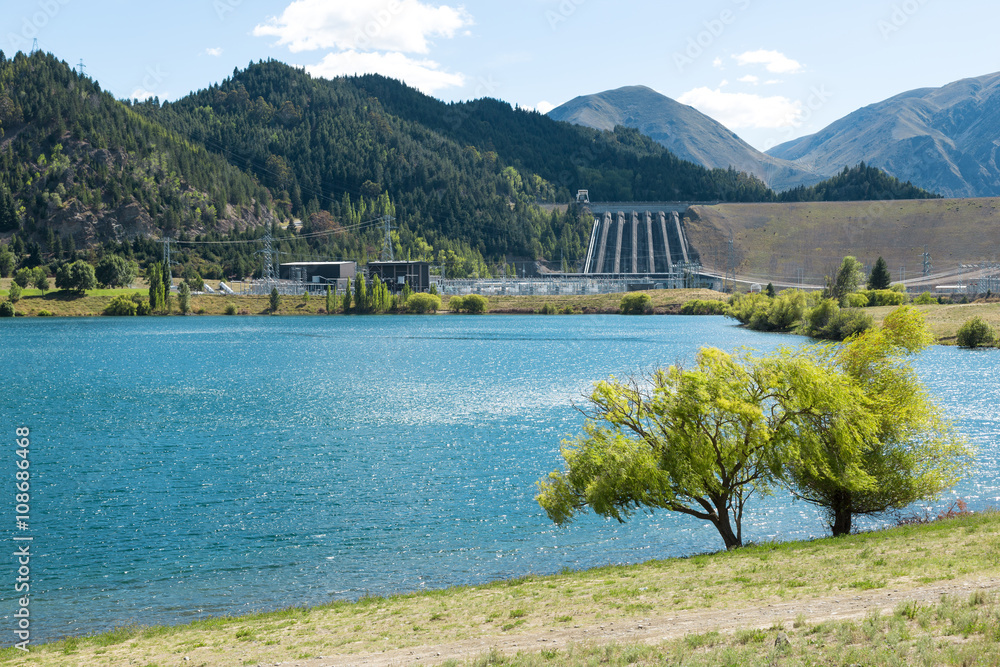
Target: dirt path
x=655 y=629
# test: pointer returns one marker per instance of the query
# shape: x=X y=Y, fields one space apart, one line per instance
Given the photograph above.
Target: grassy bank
x=888 y=563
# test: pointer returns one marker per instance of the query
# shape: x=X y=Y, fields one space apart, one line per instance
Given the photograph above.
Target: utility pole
x=927 y=262
x=167 y=266
x=387 y=255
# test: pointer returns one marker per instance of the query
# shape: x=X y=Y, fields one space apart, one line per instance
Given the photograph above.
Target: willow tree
x=912 y=454
x=701 y=441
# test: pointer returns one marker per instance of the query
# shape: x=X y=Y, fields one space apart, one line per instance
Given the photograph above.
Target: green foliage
x=976 y=332
x=40 y=278
x=122 y=305
x=769 y=290
x=860 y=183
x=880 y=278
x=331 y=300
x=856 y=300
x=925 y=299
x=548 y=309
x=910 y=454
x=23 y=277
x=275 y=300
x=697 y=441
x=116 y=271
x=421 y=303
x=184 y=298
x=157 y=297
x=636 y=303
x=230 y=309
x=827 y=321
x=705 y=307
x=14 y=294
x=848 y=280
x=78 y=276
x=884 y=297
x=472 y=303
x=7 y=261
x=7 y=309
x=762 y=313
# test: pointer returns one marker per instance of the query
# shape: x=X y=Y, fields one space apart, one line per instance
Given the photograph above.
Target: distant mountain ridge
x=942 y=139
x=684 y=131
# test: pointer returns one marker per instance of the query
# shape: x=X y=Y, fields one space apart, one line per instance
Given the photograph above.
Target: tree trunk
x=840 y=508
x=726 y=531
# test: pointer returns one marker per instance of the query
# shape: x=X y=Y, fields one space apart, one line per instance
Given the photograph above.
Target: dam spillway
x=638 y=239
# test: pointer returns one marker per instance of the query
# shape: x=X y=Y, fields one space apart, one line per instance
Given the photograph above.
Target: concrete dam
x=639 y=238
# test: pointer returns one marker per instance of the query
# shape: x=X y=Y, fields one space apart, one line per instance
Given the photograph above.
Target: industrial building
x=415 y=274
x=319 y=273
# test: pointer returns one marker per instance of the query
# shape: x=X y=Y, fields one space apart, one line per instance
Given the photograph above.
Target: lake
x=187 y=467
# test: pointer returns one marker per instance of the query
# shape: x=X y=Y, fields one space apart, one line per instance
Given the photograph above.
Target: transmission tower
x=34 y=46
x=81 y=68
x=168 y=267
x=731 y=264
x=387 y=255
x=927 y=262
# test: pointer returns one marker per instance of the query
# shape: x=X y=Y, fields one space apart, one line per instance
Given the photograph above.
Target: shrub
x=230 y=309
x=421 y=303
x=743 y=307
x=44 y=313
x=141 y=305
x=856 y=300
x=976 y=332
x=6 y=309
x=548 y=309
x=122 y=305
x=473 y=303
x=636 y=303
x=884 y=297
x=847 y=323
x=925 y=299
x=705 y=307
x=14 y=294
x=568 y=310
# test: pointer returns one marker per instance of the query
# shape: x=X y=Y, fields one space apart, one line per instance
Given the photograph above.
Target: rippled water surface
x=185 y=467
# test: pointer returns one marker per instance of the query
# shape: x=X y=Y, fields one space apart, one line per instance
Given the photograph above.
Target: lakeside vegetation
x=895 y=561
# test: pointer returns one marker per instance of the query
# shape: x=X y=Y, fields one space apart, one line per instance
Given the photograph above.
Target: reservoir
x=186 y=467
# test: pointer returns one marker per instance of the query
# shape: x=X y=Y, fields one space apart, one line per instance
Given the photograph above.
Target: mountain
x=685 y=131
x=942 y=139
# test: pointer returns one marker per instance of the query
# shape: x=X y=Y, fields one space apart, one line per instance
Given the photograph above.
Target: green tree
x=976 y=332
x=7 y=309
x=636 y=303
x=184 y=298
x=331 y=300
x=700 y=441
x=346 y=301
x=82 y=276
x=23 y=277
x=116 y=271
x=422 y=303
x=769 y=290
x=14 y=294
x=7 y=261
x=40 y=278
x=154 y=276
x=879 y=278
x=848 y=280
x=360 y=294
x=168 y=281
x=275 y=300
x=911 y=454
x=122 y=305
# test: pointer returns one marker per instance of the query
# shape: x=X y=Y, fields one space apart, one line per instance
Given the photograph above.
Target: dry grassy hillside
x=776 y=241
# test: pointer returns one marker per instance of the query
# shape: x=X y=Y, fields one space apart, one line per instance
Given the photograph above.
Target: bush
x=122 y=306
x=856 y=300
x=743 y=307
x=141 y=305
x=14 y=294
x=548 y=309
x=884 y=297
x=230 y=309
x=705 y=307
x=636 y=303
x=421 y=303
x=44 y=313
x=568 y=310
x=6 y=309
x=925 y=299
x=473 y=303
x=976 y=332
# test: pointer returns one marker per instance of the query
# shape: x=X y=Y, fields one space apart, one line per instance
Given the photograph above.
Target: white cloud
x=213 y=52
x=749 y=78
x=425 y=75
x=773 y=82
x=775 y=61
x=544 y=107
x=717 y=63
x=723 y=83
x=363 y=25
x=744 y=110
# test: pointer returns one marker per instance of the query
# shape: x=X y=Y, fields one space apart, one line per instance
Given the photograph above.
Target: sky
x=770 y=70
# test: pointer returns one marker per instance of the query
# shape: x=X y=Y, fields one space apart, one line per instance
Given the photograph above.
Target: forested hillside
x=860 y=183
x=81 y=171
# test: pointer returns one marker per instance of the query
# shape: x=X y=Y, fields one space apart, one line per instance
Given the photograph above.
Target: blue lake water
x=186 y=467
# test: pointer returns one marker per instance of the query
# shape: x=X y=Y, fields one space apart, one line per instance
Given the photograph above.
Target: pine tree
x=880 y=278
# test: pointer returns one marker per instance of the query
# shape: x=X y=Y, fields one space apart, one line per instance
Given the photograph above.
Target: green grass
x=620 y=594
